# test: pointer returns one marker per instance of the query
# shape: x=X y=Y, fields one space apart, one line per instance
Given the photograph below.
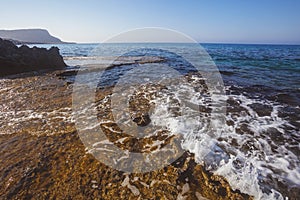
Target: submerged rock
x=57 y=167
x=14 y=60
x=49 y=161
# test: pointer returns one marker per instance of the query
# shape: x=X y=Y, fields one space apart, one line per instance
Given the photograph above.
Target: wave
x=254 y=148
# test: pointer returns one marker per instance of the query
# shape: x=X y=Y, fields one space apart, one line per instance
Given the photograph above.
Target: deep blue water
x=276 y=66
x=269 y=65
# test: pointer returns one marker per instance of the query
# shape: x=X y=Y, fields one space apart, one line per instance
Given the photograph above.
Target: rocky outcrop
x=42 y=155
x=14 y=60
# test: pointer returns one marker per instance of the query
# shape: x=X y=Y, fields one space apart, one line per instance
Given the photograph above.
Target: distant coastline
x=31 y=36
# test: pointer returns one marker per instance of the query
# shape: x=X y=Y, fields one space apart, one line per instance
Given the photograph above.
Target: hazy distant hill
x=29 y=36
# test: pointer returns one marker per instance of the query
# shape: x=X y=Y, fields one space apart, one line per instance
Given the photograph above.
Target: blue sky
x=227 y=21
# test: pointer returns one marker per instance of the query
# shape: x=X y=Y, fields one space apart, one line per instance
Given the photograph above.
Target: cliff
x=30 y=36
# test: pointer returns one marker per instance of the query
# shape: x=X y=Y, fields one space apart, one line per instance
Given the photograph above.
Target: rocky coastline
x=15 y=60
x=42 y=156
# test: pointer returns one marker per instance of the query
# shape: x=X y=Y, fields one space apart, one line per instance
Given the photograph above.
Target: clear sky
x=226 y=21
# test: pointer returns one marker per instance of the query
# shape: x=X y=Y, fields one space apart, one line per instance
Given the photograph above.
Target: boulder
x=14 y=60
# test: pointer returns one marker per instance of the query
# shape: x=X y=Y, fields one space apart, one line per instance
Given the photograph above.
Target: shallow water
x=257 y=148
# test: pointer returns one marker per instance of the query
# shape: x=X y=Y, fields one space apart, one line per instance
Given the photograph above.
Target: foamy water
x=245 y=148
x=256 y=147
x=246 y=159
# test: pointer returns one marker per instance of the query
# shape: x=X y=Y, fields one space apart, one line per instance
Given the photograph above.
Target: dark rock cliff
x=14 y=60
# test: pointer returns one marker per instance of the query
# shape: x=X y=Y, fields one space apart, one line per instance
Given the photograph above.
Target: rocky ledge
x=15 y=60
x=42 y=156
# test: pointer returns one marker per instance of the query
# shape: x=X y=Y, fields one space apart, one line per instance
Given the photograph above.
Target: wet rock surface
x=42 y=156
x=57 y=167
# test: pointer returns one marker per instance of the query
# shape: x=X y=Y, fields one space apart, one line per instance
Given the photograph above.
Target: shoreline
x=37 y=161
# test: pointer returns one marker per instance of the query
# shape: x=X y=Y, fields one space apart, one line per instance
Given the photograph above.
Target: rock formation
x=14 y=60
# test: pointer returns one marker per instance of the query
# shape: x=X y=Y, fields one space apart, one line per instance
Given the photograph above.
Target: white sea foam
x=11 y=121
x=246 y=169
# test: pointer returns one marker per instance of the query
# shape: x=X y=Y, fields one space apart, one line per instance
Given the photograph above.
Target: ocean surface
x=242 y=64
x=258 y=148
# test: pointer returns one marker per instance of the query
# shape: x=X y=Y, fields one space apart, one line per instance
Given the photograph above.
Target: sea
x=258 y=147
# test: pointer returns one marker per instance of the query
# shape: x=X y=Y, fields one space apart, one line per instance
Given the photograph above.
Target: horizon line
x=230 y=43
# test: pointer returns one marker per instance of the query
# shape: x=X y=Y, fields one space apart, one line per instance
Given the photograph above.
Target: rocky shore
x=15 y=60
x=42 y=156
